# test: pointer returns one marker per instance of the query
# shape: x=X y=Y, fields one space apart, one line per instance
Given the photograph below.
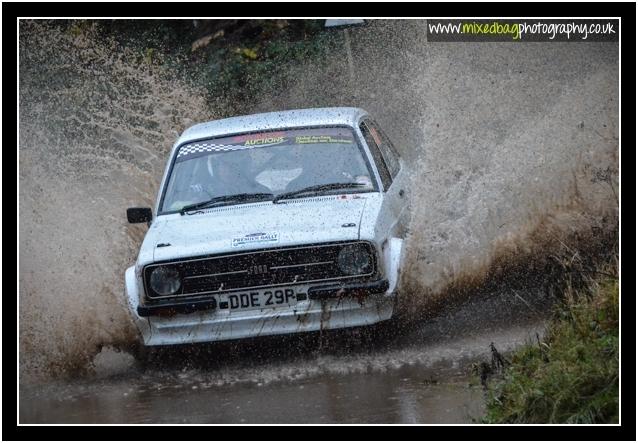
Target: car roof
x=272 y=120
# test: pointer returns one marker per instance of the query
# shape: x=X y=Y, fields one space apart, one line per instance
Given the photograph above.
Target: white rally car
x=269 y=224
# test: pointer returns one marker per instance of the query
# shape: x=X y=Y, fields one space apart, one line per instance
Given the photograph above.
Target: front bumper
x=340 y=290
x=176 y=308
x=315 y=292
x=328 y=306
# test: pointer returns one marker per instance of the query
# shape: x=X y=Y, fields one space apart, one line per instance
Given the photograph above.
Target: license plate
x=268 y=298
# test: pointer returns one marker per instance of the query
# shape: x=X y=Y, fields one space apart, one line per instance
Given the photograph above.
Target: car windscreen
x=267 y=162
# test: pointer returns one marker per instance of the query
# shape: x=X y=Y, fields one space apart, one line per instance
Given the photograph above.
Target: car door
x=394 y=209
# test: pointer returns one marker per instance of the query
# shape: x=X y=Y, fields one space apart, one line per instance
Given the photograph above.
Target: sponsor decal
x=259 y=237
x=263 y=135
x=200 y=149
x=264 y=139
x=308 y=139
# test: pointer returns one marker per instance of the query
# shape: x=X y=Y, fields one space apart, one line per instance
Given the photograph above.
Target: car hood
x=254 y=226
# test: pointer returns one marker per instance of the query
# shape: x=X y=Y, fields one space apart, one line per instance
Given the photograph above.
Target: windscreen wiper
x=226 y=199
x=317 y=188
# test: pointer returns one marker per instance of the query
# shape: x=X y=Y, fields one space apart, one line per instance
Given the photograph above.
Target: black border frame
x=626 y=431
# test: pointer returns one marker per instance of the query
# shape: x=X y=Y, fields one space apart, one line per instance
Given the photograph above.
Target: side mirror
x=139 y=215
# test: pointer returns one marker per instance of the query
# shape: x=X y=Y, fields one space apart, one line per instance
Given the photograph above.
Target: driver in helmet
x=228 y=173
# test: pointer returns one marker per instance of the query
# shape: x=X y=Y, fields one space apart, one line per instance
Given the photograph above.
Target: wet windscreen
x=268 y=162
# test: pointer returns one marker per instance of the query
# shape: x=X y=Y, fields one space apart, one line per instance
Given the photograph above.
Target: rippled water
x=407 y=396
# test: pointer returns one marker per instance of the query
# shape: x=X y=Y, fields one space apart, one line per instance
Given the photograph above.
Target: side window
x=373 y=141
x=388 y=150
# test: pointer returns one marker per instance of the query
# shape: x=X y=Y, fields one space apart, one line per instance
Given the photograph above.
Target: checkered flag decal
x=192 y=149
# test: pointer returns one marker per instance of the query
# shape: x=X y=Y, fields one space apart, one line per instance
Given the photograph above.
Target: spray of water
x=512 y=159
x=96 y=123
x=512 y=148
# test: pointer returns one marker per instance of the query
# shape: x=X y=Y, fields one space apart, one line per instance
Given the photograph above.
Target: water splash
x=506 y=145
x=96 y=123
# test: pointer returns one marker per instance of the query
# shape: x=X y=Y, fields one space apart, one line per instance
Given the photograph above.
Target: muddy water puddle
x=408 y=395
x=421 y=375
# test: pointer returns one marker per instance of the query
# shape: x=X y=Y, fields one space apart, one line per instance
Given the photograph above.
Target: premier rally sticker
x=260 y=237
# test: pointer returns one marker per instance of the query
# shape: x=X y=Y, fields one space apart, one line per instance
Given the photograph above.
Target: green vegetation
x=233 y=60
x=572 y=377
x=242 y=71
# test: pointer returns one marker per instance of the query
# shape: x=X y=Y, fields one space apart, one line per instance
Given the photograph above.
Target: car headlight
x=354 y=259
x=165 y=280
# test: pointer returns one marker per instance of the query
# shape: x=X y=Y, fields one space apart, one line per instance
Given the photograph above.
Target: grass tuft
x=571 y=376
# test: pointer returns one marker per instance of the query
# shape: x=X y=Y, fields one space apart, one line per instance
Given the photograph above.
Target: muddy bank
x=572 y=376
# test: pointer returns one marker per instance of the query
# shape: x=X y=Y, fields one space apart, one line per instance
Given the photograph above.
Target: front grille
x=249 y=270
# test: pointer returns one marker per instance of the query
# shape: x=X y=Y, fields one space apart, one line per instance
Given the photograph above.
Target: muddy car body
x=306 y=234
